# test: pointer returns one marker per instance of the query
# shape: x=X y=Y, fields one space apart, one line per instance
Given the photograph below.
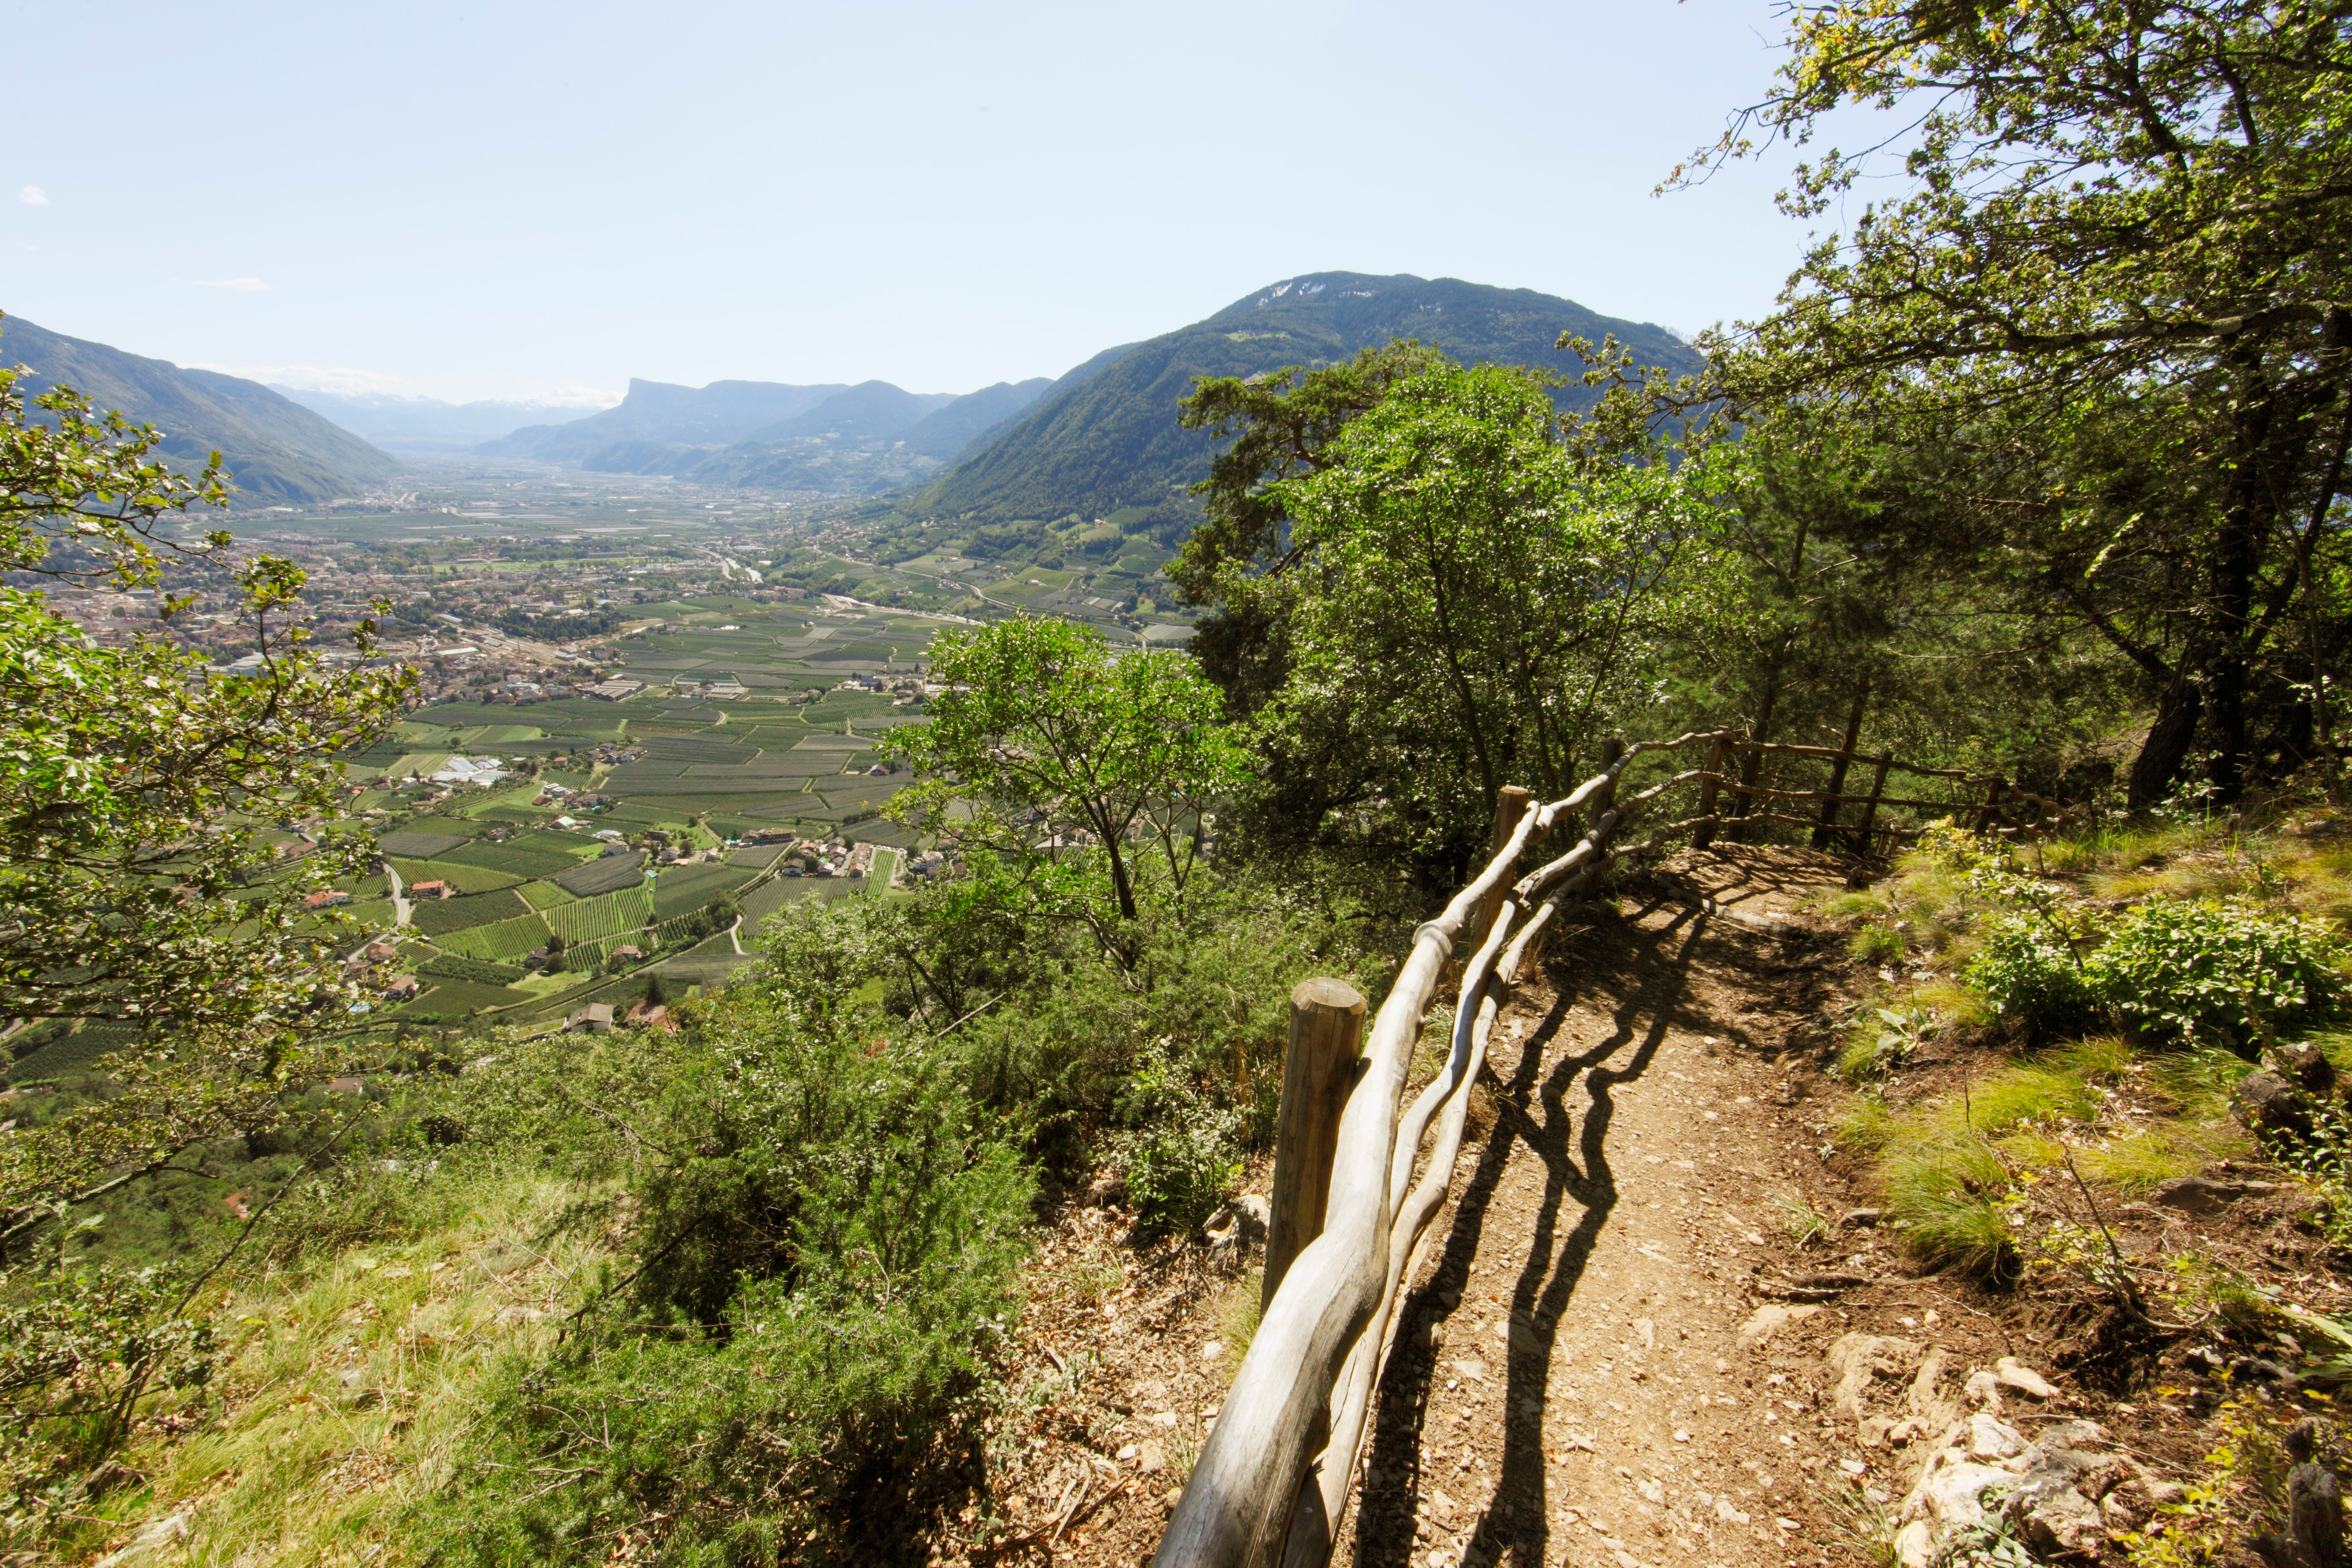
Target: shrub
x=2032 y=976
x=1181 y=1161
x=826 y=1245
x=2207 y=973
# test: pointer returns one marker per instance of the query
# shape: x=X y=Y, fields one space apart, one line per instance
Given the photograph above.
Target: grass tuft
x=1238 y=1316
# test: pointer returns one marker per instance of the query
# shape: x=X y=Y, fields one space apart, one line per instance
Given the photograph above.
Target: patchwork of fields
x=663 y=767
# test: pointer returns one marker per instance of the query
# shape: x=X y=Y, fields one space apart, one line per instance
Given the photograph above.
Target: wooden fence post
x=1861 y=843
x=1832 y=804
x=1509 y=807
x=1991 y=803
x=1717 y=761
x=1327 y=1029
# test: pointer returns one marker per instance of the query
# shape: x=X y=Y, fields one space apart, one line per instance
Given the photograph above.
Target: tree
x=2120 y=272
x=1236 y=557
x=1053 y=750
x=136 y=886
x=127 y=892
x=1470 y=602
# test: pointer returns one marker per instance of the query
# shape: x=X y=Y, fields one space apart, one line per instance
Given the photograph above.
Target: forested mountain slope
x=278 y=452
x=1101 y=442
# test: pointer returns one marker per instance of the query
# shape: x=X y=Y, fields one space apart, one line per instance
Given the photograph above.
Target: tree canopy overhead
x=2118 y=273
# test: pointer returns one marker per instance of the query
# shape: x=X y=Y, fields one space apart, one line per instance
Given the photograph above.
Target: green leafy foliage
x=2029 y=974
x=1049 y=748
x=1182 y=1161
x=2055 y=305
x=1461 y=601
x=73 y=1359
x=2203 y=972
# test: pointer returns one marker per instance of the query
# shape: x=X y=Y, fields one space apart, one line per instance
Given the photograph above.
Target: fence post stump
x=1862 y=841
x=1991 y=806
x=1327 y=1029
x=1717 y=761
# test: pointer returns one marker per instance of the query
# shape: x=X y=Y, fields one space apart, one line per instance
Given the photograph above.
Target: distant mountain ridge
x=1111 y=440
x=278 y=452
x=421 y=424
x=870 y=411
x=657 y=411
x=842 y=440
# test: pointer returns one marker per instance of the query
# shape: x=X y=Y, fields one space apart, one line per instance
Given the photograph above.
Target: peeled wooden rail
x=1271 y=1480
x=1238 y=1507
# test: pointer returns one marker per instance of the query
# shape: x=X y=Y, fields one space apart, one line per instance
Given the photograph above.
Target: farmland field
x=680 y=891
x=447 y=996
x=413 y=844
x=611 y=915
x=602 y=875
x=519 y=859
x=442 y=917
x=505 y=940
x=722 y=768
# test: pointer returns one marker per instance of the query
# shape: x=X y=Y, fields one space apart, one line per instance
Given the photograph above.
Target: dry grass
x=345 y=1393
x=1236 y=1317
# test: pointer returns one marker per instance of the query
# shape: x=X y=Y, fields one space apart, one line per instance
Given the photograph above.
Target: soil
x=1570 y=1382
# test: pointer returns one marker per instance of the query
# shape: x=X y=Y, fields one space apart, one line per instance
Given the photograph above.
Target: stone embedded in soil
x=2266 y=1102
x=1769 y=1320
x=1857 y=1358
x=2016 y=1375
x=2307 y=1065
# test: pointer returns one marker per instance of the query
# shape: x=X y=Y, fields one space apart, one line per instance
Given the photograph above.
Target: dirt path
x=1569 y=1385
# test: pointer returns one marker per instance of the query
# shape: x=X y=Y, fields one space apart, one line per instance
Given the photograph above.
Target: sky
x=468 y=200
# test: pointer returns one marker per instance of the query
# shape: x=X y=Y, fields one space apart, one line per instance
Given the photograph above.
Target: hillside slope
x=947 y=431
x=871 y=410
x=657 y=411
x=870 y=439
x=278 y=452
x=1111 y=440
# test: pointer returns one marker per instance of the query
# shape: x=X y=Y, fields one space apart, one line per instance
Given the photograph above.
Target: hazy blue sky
x=474 y=199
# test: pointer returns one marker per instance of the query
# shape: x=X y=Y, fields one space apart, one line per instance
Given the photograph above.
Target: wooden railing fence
x=1350 y=1223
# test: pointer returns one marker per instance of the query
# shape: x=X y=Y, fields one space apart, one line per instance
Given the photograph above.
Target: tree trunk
x=2167 y=746
x=1753 y=763
x=2249 y=517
